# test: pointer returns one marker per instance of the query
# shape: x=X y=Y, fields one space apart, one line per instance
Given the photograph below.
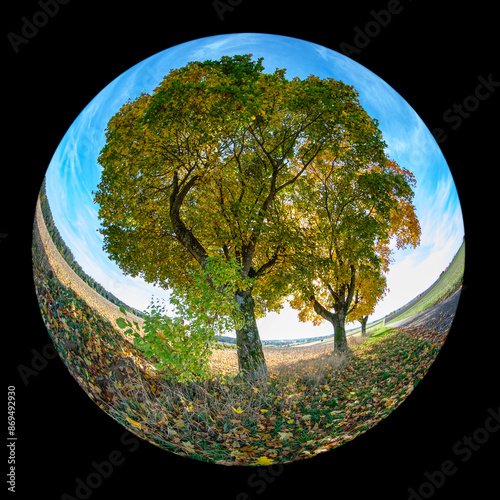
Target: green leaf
x=121 y=322
x=122 y=310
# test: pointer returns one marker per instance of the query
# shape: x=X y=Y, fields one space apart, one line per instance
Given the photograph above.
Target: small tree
x=368 y=293
x=358 y=206
x=181 y=345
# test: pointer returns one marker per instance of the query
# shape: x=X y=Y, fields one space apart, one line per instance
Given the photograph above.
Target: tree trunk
x=252 y=364
x=363 y=321
x=338 y=321
x=339 y=337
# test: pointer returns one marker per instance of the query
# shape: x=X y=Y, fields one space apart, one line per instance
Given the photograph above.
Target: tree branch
x=182 y=233
x=332 y=293
x=320 y=310
x=351 y=286
x=356 y=302
x=270 y=263
x=249 y=250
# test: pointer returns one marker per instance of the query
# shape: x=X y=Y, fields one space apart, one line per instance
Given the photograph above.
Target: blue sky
x=74 y=172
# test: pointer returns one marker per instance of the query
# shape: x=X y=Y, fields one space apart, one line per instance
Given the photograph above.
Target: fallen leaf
x=186 y=445
x=137 y=425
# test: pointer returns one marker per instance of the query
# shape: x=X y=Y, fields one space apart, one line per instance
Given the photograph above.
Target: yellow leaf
x=289 y=421
x=285 y=435
x=263 y=410
x=238 y=410
x=179 y=423
x=161 y=336
x=187 y=446
x=137 y=425
x=264 y=461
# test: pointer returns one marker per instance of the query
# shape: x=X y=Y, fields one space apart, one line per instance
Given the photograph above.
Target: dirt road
x=434 y=323
x=442 y=314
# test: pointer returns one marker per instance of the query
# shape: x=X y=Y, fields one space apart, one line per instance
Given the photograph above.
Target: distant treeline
x=279 y=342
x=70 y=259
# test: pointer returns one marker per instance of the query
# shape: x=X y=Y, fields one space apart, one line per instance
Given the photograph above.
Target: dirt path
x=434 y=323
x=442 y=314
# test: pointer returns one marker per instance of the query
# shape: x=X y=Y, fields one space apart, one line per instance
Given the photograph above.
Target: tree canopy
x=209 y=168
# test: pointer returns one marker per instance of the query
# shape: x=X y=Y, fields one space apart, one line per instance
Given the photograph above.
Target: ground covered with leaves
x=308 y=405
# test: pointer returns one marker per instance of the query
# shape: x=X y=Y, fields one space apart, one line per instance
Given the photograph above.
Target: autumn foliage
x=354 y=210
x=283 y=181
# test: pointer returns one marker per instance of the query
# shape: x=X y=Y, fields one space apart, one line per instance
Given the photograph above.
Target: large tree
x=346 y=225
x=202 y=172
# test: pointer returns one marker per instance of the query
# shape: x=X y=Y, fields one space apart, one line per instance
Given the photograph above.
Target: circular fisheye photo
x=248 y=249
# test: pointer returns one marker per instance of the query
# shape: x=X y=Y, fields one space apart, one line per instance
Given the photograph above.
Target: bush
x=204 y=310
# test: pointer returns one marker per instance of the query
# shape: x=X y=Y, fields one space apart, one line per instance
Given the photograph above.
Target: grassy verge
x=292 y=415
x=379 y=335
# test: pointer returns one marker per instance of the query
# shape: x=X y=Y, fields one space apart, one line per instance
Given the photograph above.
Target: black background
x=431 y=55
